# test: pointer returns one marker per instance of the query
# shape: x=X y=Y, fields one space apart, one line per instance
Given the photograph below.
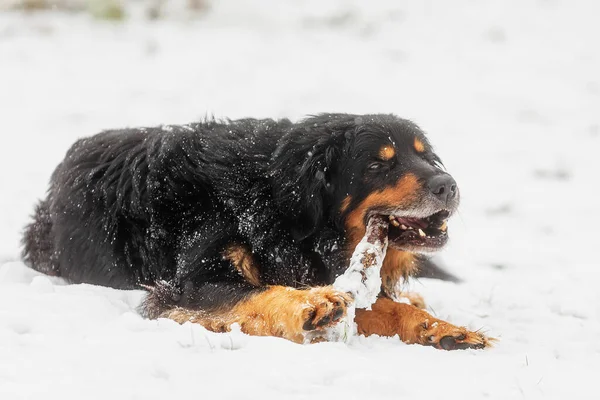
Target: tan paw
x=325 y=306
x=446 y=336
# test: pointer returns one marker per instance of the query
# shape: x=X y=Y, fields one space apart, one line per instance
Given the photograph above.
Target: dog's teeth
x=421 y=233
x=403 y=227
x=395 y=222
x=391 y=217
x=409 y=228
x=444 y=226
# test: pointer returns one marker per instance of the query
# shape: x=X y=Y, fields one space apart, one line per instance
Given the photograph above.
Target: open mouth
x=419 y=234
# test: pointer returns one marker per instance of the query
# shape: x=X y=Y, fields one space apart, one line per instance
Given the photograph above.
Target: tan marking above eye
x=387 y=152
x=419 y=146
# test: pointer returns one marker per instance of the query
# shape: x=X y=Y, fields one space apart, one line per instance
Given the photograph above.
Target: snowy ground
x=510 y=95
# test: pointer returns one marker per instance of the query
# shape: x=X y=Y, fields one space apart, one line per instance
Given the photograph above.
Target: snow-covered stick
x=362 y=278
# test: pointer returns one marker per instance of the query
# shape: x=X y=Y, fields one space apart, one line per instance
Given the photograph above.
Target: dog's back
x=120 y=202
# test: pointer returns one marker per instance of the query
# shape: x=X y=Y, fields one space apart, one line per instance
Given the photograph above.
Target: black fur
x=156 y=206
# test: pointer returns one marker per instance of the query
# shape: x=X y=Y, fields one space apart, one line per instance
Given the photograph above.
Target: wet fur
x=158 y=207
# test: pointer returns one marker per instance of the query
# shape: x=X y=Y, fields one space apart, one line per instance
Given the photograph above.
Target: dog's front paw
x=416 y=326
x=446 y=336
x=325 y=306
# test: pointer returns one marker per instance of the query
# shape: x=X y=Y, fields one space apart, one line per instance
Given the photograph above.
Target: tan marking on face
x=402 y=194
x=345 y=203
x=387 y=152
x=242 y=259
x=419 y=146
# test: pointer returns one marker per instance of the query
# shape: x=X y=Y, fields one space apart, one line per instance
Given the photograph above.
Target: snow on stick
x=362 y=278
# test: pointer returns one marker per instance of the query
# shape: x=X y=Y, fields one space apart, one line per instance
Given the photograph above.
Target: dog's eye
x=375 y=166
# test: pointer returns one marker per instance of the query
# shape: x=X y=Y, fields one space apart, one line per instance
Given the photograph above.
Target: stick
x=362 y=278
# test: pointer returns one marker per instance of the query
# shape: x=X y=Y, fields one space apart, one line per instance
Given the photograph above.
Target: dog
x=250 y=221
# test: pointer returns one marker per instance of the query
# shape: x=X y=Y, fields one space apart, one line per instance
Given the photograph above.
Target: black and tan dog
x=249 y=221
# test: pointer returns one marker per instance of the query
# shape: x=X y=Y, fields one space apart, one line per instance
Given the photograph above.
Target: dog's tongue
x=414 y=222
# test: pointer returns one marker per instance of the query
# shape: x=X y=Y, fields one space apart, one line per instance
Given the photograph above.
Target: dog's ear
x=302 y=167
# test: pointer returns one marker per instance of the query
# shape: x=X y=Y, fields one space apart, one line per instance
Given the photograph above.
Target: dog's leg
x=264 y=311
x=397 y=267
x=413 y=325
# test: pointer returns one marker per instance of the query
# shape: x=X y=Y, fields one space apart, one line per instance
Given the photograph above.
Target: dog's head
x=346 y=168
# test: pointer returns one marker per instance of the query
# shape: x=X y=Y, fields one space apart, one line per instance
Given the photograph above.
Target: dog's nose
x=443 y=187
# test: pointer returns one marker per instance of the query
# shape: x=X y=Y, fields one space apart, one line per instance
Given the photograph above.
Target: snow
x=510 y=95
x=362 y=279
